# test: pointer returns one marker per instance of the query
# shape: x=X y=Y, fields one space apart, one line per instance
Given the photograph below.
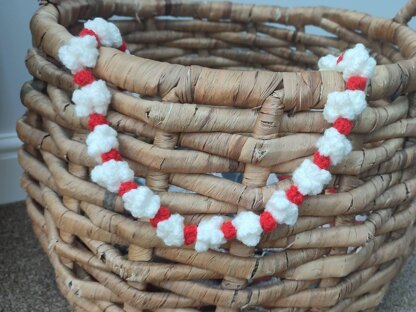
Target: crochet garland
x=92 y=99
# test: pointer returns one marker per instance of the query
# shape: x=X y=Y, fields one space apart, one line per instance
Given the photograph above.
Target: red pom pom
x=343 y=125
x=111 y=154
x=125 y=187
x=331 y=190
x=229 y=230
x=268 y=223
x=162 y=214
x=284 y=177
x=83 y=77
x=190 y=232
x=88 y=32
x=340 y=58
x=321 y=161
x=294 y=195
x=356 y=83
x=123 y=46
x=96 y=120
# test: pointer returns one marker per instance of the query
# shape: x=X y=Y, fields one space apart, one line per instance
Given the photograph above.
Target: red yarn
x=123 y=46
x=83 y=77
x=343 y=125
x=284 y=177
x=356 y=83
x=268 y=223
x=321 y=161
x=125 y=187
x=190 y=231
x=330 y=190
x=111 y=154
x=162 y=214
x=340 y=58
x=294 y=195
x=96 y=120
x=88 y=32
x=229 y=230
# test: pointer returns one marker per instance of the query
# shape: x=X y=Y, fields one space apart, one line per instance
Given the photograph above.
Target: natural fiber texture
x=234 y=94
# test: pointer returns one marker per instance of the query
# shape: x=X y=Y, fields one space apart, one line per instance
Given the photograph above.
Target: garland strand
x=93 y=97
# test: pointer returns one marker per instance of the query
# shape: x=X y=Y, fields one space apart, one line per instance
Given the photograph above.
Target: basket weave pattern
x=234 y=94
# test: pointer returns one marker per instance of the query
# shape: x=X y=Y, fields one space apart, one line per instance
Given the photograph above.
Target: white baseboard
x=10 y=171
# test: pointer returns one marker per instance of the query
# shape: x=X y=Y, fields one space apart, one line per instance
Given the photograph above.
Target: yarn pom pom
x=229 y=230
x=162 y=214
x=356 y=83
x=171 y=230
x=123 y=46
x=111 y=174
x=108 y=33
x=282 y=210
x=83 y=77
x=248 y=228
x=210 y=234
x=323 y=162
x=80 y=52
x=142 y=202
x=95 y=120
x=126 y=187
x=294 y=195
x=190 y=232
x=343 y=125
x=268 y=223
x=111 y=154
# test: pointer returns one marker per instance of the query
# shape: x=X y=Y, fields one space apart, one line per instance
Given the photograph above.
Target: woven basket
x=225 y=90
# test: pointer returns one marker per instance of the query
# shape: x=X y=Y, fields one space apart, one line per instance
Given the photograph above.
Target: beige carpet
x=27 y=281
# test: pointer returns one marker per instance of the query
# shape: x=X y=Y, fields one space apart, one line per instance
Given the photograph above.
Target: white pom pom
x=171 y=230
x=111 y=174
x=141 y=202
x=347 y=104
x=357 y=62
x=209 y=234
x=310 y=179
x=101 y=140
x=328 y=62
x=361 y=218
x=282 y=210
x=93 y=98
x=108 y=33
x=335 y=145
x=80 y=52
x=248 y=228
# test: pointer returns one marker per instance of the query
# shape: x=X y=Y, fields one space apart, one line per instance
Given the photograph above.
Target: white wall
x=14 y=28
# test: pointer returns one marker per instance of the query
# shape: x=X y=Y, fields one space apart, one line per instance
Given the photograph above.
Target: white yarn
x=310 y=179
x=171 y=230
x=282 y=210
x=209 y=235
x=335 y=145
x=141 y=202
x=248 y=228
x=361 y=218
x=328 y=62
x=108 y=33
x=80 y=52
x=348 y=104
x=357 y=62
x=93 y=98
x=101 y=140
x=111 y=174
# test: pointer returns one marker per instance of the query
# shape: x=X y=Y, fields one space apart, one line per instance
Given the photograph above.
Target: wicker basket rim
x=49 y=33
